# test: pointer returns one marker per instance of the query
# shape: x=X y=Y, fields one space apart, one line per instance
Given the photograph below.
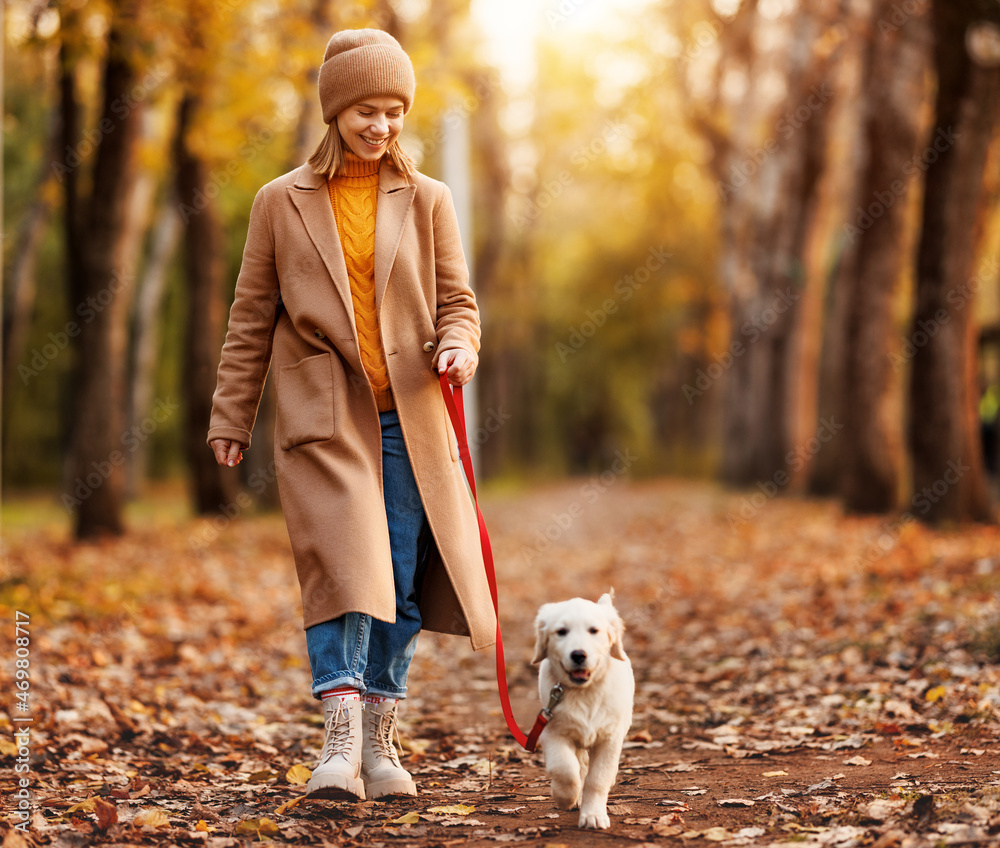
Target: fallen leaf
x=262 y=776
x=453 y=810
x=857 y=761
x=87 y=744
x=736 y=802
x=86 y=806
x=293 y=802
x=298 y=774
x=257 y=827
x=107 y=814
x=203 y=826
x=936 y=694
x=775 y=774
x=407 y=818
x=667 y=829
x=151 y=818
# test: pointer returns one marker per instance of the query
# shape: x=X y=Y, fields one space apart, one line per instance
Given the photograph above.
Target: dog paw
x=565 y=800
x=565 y=794
x=595 y=820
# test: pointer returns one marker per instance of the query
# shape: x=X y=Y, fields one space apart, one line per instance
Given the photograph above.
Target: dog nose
x=579 y=657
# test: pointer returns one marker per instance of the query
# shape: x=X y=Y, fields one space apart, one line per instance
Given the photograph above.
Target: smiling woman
x=354 y=292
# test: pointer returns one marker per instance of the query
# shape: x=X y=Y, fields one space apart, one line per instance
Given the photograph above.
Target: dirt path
x=802 y=678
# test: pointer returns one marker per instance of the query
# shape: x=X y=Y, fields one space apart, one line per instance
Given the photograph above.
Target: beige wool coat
x=293 y=312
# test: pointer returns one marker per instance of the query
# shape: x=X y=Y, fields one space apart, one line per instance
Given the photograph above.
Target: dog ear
x=541 y=637
x=616 y=631
x=608 y=598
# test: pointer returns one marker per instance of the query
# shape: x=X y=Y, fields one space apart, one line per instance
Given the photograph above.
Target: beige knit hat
x=361 y=63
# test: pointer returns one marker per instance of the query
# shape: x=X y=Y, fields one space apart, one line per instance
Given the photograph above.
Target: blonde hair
x=328 y=157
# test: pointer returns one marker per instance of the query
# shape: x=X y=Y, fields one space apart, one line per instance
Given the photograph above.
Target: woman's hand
x=227 y=451
x=459 y=363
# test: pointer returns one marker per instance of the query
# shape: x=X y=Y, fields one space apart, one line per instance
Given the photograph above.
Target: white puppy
x=579 y=646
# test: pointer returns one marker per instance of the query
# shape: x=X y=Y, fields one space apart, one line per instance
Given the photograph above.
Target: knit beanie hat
x=361 y=63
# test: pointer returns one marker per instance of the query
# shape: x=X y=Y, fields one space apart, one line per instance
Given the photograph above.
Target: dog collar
x=555 y=696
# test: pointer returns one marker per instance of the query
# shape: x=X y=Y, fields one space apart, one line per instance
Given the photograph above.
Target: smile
x=373 y=141
x=579 y=675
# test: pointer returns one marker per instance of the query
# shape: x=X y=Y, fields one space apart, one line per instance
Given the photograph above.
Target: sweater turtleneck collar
x=354 y=167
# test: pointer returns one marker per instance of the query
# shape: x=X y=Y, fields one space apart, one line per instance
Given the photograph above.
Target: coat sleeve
x=457 y=313
x=246 y=354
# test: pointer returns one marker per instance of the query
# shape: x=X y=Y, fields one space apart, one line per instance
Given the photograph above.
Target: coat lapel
x=310 y=196
x=395 y=196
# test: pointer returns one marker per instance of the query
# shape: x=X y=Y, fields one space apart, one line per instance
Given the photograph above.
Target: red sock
x=345 y=694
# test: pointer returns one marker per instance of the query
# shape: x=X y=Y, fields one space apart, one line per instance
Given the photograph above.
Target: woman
x=355 y=290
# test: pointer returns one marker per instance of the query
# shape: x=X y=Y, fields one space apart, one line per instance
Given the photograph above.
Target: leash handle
x=456 y=411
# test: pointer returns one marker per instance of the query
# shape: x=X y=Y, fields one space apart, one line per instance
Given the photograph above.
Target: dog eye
x=562 y=631
x=595 y=630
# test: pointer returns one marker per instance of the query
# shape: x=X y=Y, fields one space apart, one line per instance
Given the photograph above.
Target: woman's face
x=369 y=127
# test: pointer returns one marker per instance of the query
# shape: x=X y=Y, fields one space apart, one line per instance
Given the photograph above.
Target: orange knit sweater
x=354 y=197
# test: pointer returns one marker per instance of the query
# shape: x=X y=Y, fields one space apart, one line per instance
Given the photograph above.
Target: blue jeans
x=357 y=650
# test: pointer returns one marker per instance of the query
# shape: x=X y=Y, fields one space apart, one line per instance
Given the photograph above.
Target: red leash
x=456 y=410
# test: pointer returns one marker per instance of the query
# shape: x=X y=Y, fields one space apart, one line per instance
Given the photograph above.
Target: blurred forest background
x=751 y=239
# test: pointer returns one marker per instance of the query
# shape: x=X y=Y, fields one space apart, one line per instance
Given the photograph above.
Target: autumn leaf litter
x=803 y=678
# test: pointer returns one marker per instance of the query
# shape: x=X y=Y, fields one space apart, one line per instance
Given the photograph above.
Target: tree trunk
x=21 y=284
x=100 y=280
x=948 y=474
x=213 y=487
x=769 y=206
x=146 y=336
x=893 y=71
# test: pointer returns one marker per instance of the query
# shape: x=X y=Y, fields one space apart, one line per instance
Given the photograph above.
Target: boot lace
x=382 y=734
x=338 y=733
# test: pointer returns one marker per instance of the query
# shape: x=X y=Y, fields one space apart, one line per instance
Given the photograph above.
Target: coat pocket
x=305 y=402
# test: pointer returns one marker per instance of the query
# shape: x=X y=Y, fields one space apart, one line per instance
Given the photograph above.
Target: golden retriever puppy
x=579 y=647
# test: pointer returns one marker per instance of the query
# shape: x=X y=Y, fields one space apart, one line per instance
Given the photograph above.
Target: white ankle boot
x=380 y=768
x=338 y=775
